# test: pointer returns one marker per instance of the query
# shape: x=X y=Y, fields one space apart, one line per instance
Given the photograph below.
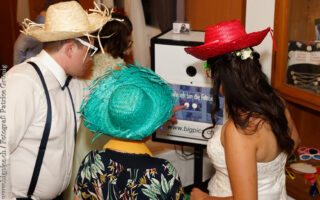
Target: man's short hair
x=55 y=46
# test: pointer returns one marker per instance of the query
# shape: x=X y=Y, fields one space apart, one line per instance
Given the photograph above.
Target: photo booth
x=191 y=86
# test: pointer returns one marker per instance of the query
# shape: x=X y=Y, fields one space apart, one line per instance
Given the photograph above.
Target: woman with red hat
x=250 y=152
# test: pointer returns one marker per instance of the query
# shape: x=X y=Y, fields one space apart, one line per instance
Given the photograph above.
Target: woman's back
x=108 y=174
x=270 y=172
x=260 y=135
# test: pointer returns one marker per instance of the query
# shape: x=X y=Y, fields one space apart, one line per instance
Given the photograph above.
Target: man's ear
x=69 y=49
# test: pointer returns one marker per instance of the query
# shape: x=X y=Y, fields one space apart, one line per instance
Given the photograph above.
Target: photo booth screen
x=191 y=86
x=198 y=102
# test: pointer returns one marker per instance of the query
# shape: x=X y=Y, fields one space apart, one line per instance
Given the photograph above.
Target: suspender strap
x=45 y=136
x=74 y=116
x=66 y=85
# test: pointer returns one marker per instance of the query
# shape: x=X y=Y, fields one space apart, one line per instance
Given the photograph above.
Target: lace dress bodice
x=271 y=175
x=102 y=63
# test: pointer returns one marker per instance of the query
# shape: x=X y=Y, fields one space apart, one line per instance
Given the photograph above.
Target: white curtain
x=140 y=35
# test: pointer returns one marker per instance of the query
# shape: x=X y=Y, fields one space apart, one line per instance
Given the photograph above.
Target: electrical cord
x=182 y=155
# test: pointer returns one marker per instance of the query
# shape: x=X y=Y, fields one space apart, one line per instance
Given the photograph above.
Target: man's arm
x=18 y=103
x=21 y=101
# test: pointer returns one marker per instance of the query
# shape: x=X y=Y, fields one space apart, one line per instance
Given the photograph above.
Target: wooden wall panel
x=35 y=7
x=9 y=31
x=86 y=4
x=202 y=13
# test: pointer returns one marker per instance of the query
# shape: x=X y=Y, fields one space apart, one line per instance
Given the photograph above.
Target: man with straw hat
x=26 y=47
x=43 y=101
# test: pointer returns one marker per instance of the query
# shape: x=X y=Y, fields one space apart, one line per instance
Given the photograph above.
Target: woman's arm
x=197 y=194
x=241 y=160
x=293 y=130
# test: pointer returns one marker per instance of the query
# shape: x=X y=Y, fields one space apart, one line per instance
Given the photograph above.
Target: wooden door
x=9 y=31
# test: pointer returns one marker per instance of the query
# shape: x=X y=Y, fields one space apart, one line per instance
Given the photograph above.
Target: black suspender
x=45 y=136
x=74 y=116
x=74 y=111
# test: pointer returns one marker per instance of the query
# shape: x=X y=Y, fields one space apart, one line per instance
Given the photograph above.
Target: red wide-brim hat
x=226 y=37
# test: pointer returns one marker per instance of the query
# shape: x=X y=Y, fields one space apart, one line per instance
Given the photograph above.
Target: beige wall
x=260 y=15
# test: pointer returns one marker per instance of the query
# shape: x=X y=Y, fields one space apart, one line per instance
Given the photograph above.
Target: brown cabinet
x=296 y=74
x=296 y=70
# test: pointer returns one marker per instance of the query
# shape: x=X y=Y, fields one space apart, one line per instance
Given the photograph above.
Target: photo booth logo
x=3 y=134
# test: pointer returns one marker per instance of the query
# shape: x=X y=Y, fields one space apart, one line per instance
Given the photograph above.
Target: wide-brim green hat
x=128 y=104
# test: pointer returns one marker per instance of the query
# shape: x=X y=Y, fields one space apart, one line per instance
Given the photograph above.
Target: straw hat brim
x=216 y=48
x=39 y=33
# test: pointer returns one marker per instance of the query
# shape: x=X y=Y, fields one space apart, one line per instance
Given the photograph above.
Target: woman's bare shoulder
x=234 y=134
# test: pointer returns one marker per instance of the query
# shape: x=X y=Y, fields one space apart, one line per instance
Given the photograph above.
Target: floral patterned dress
x=112 y=175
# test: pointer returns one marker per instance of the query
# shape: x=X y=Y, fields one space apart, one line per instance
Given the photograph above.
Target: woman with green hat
x=128 y=105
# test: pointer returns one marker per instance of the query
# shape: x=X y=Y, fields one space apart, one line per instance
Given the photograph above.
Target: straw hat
x=226 y=37
x=66 y=20
x=128 y=104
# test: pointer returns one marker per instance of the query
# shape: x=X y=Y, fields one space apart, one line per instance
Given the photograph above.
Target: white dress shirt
x=27 y=111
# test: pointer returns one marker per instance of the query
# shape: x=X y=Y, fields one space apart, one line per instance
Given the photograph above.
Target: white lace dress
x=271 y=175
x=102 y=63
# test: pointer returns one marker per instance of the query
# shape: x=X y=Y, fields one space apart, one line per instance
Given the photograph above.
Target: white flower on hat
x=244 y=54
x=309 y=48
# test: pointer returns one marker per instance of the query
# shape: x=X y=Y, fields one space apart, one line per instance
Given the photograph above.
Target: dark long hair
x=119 y=31
x=248 y=95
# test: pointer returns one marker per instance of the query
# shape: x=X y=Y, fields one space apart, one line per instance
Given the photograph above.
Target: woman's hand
x=173 y=119
x=197 y=194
